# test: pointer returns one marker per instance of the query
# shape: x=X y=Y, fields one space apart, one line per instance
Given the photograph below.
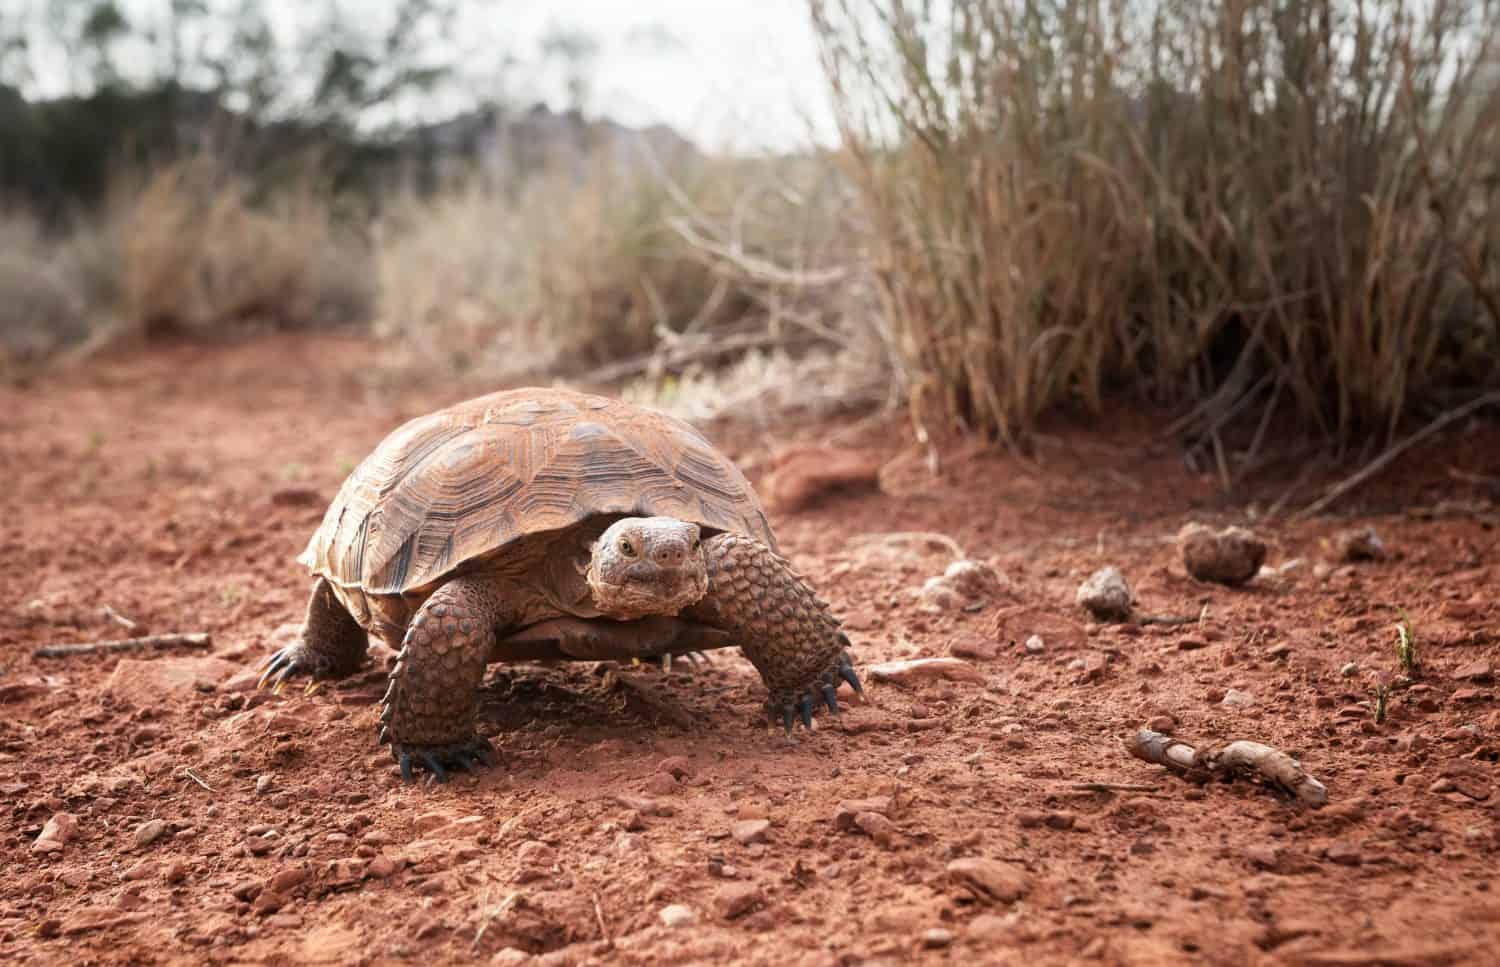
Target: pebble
x=676 y=766
x=59 y=829
x=1350 y=669
x=1234 y=698
x=141 y=870
x=382 y=867
x=738 y=899
x=149 y=832
x=915 y=670
x=176 y=872
x=536 y=854
x=1034 y=645
x=511 y=957
x=748 y=831
x=678 y=915
x=849 y=809
x=1231 y=556
x=877 y=827
x=937 y=938
x=973 y=647
x=263 y=783
x=988 y=881
x=1161 y=723
x=1344 y=854
x=662 y=784
x=287 y=880
x=1106 y=595
x=1357 y=544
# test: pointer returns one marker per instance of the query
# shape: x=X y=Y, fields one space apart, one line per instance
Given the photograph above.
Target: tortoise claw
x=806 y=710
x=439 y=759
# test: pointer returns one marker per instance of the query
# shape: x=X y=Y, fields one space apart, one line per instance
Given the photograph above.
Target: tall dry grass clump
x=197 y=252
x=1230 y=204
x=616 y=268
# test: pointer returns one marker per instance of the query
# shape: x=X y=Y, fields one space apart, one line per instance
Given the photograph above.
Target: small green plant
x=1406 y=645
x=1381 y=692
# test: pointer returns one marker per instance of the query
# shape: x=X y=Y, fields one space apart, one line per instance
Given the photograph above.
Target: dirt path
x=217 y=824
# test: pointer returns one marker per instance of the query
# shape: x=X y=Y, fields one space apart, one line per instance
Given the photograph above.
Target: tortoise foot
x=438 y=759
x=288 y=662
x=798 y=705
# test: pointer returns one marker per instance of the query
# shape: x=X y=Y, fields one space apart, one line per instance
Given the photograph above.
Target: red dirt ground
x=217 y=824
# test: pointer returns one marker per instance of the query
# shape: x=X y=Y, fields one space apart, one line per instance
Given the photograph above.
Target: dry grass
x=650 y=272
x=1226 y=205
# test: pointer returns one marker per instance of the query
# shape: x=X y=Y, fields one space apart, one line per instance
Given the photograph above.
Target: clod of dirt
x=59 y=829
x=962 y=583
x=1106 y=595
x=849 y=809
x=989 y=881
x=973 y=647
x=748 y=831
x=803 y=475
x=678 y=915
x=146 y=683
x=1479 y=670
x=917 y=670
x=1357 y=544
x=738 y=899
x=1231 y=556
x=876 y=826
x=149 y=832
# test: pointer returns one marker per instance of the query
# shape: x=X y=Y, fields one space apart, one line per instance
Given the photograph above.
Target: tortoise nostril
x=669 y=555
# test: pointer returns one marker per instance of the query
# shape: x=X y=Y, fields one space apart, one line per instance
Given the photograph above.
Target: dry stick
x=603 y=927
x=196 y=778
x=1235 y=758
x=197 y=639
x=1113 y=787
x=1391 y=453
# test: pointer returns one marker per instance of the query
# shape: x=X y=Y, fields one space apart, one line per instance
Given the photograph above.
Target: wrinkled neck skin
x=644 y=566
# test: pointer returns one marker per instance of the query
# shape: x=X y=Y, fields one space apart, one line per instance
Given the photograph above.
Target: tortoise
x=549 y=524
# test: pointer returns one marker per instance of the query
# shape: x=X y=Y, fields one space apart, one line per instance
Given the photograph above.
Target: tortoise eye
x=627 y=548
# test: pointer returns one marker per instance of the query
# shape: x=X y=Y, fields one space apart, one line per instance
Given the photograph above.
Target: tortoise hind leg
x=332 y=644
x=428 y=711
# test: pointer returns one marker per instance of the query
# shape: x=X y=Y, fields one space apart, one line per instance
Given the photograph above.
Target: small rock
x=1161 y=723
x=287 y=880
x=1234 y=698
x=988 y=881
x=1344 y=854
x=662 y=784
x=176 y=872
x=149 y=832
x=263 y=783
x=59 y=829
x=536 y=854
x=382 y=867
x=877 y=827
x=511 y=957
x=141 y=870
x=1106 y=595
x=748 y=831
x=245 y=890
x=148 y=683
x=1357 y=544
x=678 y=915
x=973 y=647
x=738 y=899
x=1231 y=556
x=1349 y=669
x=963 y=583
x=917 y=670
x=1191 y=643
x=676 y=766
x=1475 y=671
x=1464 y=695
x=1034 y=645
x=937 y=938
x=844 y=817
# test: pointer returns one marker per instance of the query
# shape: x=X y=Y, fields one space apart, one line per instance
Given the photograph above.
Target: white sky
x=741 y=74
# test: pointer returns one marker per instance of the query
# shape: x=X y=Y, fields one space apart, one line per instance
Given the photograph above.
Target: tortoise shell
x=465 y=482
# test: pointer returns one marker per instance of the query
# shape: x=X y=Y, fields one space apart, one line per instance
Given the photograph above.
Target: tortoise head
x=647 y=565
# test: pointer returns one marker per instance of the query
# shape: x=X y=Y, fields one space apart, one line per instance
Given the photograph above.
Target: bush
x=1231 y=205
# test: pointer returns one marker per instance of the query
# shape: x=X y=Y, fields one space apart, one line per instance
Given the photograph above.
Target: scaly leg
x=332 y=646
x=428 y=712
x=787 y=632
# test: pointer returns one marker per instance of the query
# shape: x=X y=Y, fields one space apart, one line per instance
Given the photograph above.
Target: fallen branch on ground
x=1227 y=760
x=198 y=639
x=1381 y=462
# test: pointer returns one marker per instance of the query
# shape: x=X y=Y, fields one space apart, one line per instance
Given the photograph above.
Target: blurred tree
x=576 y=50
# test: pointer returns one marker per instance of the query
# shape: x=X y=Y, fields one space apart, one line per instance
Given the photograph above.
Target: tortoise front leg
x=331 y=645
x=429 y=709
x=783 y=627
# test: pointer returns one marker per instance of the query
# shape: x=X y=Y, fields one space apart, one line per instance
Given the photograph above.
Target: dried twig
x=197 y=639
x=603 y=927
x=1113 y=787
x=1242 y=757
x=118 y=618
x=198 y=779
x=1392 y=452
